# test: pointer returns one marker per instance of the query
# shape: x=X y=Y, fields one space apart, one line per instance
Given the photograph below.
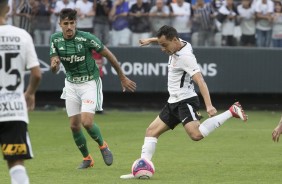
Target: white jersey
x=17 y=53
x=181 y=67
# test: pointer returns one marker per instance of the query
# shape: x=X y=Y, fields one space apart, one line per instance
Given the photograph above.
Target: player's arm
x=55 y=64
x=34 y=81
x=277 y=131
x=126 y=83
x=199 y=80
x=147 y=41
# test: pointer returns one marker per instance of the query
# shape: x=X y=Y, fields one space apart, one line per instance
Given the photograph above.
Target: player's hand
x=127 y=84
x=30 y=101
x=276 y=133
x=144 y=42
x=55 y=63
x=211 y=110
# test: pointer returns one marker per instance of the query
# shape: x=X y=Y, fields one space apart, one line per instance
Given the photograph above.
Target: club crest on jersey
x=79 y=47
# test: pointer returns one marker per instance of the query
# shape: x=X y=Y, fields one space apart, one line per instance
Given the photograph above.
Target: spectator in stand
x=247 y=23
x=264 y=10
x=42 y=23
x=227 y=15
x=61 y=4
x=139 y=22
x=203 y=15
x=53 y=17
x=9 y=15
x=277 y=25
x=120 y=25
x=216 y=4
x=131 y=2
x=181 y=14
x=23 y=16
x=159 y=16
x=85 y=14
x=101 y=20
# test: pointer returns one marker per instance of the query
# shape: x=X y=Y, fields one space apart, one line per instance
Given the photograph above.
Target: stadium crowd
x=256 y=23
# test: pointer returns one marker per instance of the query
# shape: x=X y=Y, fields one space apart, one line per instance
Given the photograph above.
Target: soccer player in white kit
x=17 y=53
x=183 y=103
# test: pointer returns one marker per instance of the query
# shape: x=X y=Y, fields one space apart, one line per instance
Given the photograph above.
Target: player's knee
x=196 y=137
x=75 y=127
x=87 y=125
x=150 y=132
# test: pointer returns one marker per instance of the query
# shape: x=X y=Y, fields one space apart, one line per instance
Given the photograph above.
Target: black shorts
x=14 y=140
x=181 y=112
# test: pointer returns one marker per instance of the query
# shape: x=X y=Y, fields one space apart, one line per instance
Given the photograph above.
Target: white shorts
x=84 y=97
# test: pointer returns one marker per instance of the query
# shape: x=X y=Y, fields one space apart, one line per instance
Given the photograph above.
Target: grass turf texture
x=235 y=153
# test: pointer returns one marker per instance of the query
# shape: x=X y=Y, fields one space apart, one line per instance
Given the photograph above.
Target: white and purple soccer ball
x=143 y=168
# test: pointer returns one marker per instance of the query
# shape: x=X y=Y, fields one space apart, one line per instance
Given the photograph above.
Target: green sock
x=80 y=141
x=95 y=133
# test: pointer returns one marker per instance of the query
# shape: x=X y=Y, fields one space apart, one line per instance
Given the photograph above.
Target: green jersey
x=76 y=55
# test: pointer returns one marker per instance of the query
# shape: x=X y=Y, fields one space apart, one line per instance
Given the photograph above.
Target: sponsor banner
x=226 y=70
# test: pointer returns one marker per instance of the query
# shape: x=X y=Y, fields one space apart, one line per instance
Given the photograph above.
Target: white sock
x=18 y=175
x=149 y=147
x=212 y=123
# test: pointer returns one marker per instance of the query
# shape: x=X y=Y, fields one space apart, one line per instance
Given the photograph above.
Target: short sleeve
x=94 y=43
x=190 y=64
x=53 y=50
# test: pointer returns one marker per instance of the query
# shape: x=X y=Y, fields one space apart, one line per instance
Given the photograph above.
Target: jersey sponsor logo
x=10 y=39
x=62 y=48
x=73 y=58
x=59 y=39
x=80 y=79
x=11 y=106
x=14 y=149
x=95 y=44
x=87 y=101
x=9 y=47
x=80 y=39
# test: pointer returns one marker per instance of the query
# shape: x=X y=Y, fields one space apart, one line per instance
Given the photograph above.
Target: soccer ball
x=143 y=168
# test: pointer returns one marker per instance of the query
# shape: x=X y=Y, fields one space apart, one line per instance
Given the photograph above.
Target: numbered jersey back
x=17 y=54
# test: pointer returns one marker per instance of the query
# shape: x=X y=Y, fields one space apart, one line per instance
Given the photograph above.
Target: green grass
x=235 y=153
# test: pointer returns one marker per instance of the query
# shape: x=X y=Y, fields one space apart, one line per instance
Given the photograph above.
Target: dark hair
x=68 y=13
x=168 y=31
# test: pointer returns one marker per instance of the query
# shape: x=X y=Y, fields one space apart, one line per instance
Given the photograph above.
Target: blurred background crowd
x=255 y=23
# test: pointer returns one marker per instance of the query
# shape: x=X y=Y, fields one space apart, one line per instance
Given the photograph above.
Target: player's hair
x=168 y=31
x=68 y=13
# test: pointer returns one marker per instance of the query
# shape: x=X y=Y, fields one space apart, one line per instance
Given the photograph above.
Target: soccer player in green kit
x=83 y=86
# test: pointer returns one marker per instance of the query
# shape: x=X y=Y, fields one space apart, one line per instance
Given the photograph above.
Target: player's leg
x=165 y=121
x=92 y=100
x=198 y=131
x=16 y=147
x=155 y=129
x=78 y=136
x=73 y=106
x=18 y=172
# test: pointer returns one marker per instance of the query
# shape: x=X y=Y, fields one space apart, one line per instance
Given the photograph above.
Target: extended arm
x=147 y=41
x=126 y=83
x=199 y=80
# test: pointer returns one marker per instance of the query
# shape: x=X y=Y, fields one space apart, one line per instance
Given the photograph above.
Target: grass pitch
x=235 y=153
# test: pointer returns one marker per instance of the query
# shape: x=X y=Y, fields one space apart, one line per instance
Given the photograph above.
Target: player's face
x=68 y=27
x=168 y=46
